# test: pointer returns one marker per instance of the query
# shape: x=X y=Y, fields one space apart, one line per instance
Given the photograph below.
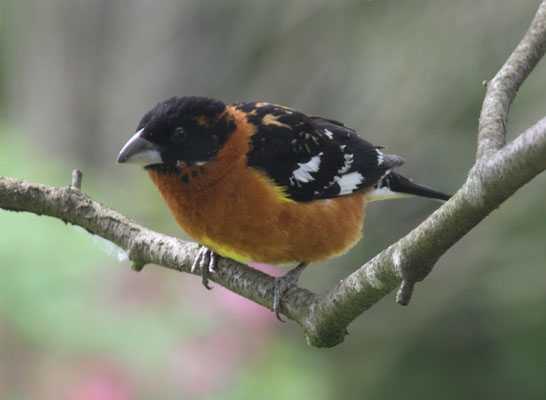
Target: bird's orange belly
x=255 y=222
x=298 y=232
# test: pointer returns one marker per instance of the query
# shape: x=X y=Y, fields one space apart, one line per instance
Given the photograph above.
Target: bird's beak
x=139 y=151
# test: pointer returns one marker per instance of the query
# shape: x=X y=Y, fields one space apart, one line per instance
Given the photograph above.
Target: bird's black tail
x=395 y=185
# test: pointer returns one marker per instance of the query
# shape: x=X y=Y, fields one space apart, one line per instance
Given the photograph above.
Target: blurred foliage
x=76 y=323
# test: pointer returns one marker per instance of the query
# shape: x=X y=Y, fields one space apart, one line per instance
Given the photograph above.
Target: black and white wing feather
x=312 y=157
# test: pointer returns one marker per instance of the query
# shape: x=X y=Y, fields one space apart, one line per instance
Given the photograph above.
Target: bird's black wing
x=311 y=157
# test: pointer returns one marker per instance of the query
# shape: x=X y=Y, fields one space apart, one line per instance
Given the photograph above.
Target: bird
x=261 y=182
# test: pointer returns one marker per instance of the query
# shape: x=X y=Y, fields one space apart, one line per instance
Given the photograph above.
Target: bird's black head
x=179 y=131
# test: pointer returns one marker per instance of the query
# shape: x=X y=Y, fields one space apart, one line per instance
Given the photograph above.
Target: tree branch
x=143 y=245
x=498 y=172
x=409 y=260
x=502 y=89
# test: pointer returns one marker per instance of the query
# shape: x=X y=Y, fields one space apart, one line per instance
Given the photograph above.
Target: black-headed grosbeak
x=262 y=182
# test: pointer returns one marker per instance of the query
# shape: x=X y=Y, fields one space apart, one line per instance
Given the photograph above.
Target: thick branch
x=491 y=181
x=143 y=245
x=502 y=89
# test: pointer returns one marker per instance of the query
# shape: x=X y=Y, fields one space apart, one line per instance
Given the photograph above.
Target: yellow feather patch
x=224 y=250
x=280 y=192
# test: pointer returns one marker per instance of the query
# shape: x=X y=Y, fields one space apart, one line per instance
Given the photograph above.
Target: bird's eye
x=178 y=135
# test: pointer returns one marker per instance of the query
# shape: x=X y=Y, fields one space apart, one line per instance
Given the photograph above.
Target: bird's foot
x=206 y=260
x=281 y=285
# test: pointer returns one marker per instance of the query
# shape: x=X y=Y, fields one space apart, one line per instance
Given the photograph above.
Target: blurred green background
x=76 y=323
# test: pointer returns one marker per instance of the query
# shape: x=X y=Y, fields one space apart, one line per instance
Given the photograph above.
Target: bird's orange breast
x=240 y=213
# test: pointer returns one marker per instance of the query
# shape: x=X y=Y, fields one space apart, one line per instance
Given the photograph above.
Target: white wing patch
x=303 y=172
x=380 y=157
x=349 y=183
x=347 y=164
x=329 y=134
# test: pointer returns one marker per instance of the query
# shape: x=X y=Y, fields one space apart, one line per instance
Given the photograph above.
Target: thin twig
x=77 y=179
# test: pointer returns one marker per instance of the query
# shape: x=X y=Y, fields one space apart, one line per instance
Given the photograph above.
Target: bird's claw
x=206 y=260
x=281 y=285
